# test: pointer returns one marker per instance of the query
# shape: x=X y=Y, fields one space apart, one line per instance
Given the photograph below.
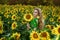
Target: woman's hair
x=40 y=21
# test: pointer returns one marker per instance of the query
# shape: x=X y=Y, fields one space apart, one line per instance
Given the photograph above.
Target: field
x=13 y=25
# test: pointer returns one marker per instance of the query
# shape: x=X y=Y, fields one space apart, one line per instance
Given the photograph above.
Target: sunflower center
x=58 y=19
x=13 y=16
x=51 y=27
x=47 y=26
x=14 y=25
x=0 y=27
x=44 y=34
x=35 y=35
x=3 y=39
x=16 y=36
x=59 y=30
x=51 y=19
x=28 y=16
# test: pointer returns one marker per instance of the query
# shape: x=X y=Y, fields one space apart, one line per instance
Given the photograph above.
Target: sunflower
x=16 y=35
x=27 y=10
x=28 y=17
x=13 y=12
x=50 y=27
x=45 y=35
x=34 y=36
x=56 y=30
x=3 y=38
x=51 y=19
x=16 y=10
x=58 y=19
x=14 y=25
x=13 y=17
x=53 y=14
x=6 y=15
x=24 y=22
x=53 y=31
x=1 y=27
x=44 y=16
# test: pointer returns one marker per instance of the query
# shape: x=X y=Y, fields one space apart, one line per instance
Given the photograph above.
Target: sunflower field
x=13 y=24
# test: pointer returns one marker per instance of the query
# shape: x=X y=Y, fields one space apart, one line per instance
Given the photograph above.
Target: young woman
x=37 y=21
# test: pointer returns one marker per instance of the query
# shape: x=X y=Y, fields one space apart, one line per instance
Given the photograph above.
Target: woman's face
x=35 y=13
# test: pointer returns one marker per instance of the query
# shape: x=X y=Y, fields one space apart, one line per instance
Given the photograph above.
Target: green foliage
x=51 y=16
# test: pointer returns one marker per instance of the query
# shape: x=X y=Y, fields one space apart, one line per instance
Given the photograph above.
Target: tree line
x=31 y=2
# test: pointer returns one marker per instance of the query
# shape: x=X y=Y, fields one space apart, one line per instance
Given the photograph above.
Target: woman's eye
x=35 y=12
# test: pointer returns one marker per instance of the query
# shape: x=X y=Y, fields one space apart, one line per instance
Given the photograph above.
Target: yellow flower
x=50 y=27
x=28 y=17
x=15 y=9
x=45 y=39
x=24 y=22
x=44 y=35
x=1 y=27
x=53 y=14
x=13 y=17
x=27 y=10
x=16 y=35
x=58 y=19
x=3 y=38
x=44 y=16
x=13 y=12
x=14 y=25
x=53 y=31
x=6 y=15
x=34 y=36
x=56 y=30
x=53 y=9
x=51 y=19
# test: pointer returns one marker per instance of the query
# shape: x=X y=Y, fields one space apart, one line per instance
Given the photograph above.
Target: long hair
x=40 y=21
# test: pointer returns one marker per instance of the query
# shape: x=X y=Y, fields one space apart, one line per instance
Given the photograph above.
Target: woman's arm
x=28 y=26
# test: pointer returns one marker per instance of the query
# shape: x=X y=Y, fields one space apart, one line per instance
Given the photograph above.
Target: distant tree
x=31 y=2
x=4 y=1
x=12 y=2
x=56 y=2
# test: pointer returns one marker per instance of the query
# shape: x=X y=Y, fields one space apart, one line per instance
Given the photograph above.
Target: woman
x=37 y=22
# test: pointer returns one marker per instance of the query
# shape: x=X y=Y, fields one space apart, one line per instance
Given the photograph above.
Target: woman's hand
x=41 y=27
x=28 y=26
x=34 y=29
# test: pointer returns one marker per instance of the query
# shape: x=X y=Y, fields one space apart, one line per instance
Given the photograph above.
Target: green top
x=34 y=23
